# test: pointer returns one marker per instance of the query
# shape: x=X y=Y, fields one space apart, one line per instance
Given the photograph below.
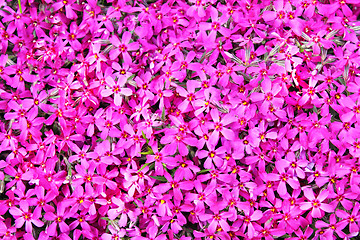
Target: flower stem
x=19 y=1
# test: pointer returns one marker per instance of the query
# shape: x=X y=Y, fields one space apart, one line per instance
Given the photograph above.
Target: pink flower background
x=188 y=119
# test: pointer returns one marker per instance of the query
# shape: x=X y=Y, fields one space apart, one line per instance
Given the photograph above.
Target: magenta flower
x=104 y=154
x=212 y=156
x=257 y=135
x=219 y=127
x=141 y=110
x=136 y=181
x=176 y=184
x=268 y=231
x=248 y=221
x=184 y=63
x=135 y=140
x=269 y=96
x=153 y=234
x=21 y=111
x=189 y=94
x=280 y=13
x=310 y=92
x=58 y=219
x=42 y=200
x=87 y=176
x=160 y=158
x=81 y=154
x=354 y=107
x=303 y=235
x=186 y=168
x=19 y=176
x=82 y=220
x=288 y=218
x=217 y=219
x=123 y=47
x=202 y=196
x=354 y=146
x=117 y=89
x=197 y=10
x=342 y=195
x=206 y=234
x=24 y=215
x=176 y=140
x=107 y=126
x=161 y=94
x=350 y=219
x=70 y=6
x=143 y=83
x=331 y=227
x=6 y=230
x=216 y=24
x=316 y=205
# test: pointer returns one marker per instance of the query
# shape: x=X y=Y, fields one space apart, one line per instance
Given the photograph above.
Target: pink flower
x=332 y=227
x=176 y=140
x=248 y=221
x=351 y=219
x=197 y=10
x=212 y=156
x=160 y=158
x=189 y=94
x=123 y=47
x=202 y=196
x=117 y=89
x=24 y=215
x=217 y=219
x=153 y=234
x=316 y=205
x=176 y=184
x=219 y=127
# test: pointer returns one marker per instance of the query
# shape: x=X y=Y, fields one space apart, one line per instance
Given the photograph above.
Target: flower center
x=201 y=196
x=116 y=89
x=311 y=91
x=316 y=203
x=218 y=126
x=59 y=219
x=123 y=48
x=217 y=217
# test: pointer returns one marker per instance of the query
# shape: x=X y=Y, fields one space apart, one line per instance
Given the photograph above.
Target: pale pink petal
x=309 y=194
x=316 y=213
x=228 y=134
x=327 y=207
x=256 y=215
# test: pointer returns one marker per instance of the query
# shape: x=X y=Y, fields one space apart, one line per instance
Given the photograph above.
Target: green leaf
x=7 y=178
x=19 y=2
x=69 y=168
x=284 y=236
x=204 y=171
x=342 y=81
x=143 y=166
x=202 y=57
x=146 y=153
x=160 y=178
x=144 y=136
x=131 y=77
x=315 y=110
x=149 y=152
x=163 y=114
